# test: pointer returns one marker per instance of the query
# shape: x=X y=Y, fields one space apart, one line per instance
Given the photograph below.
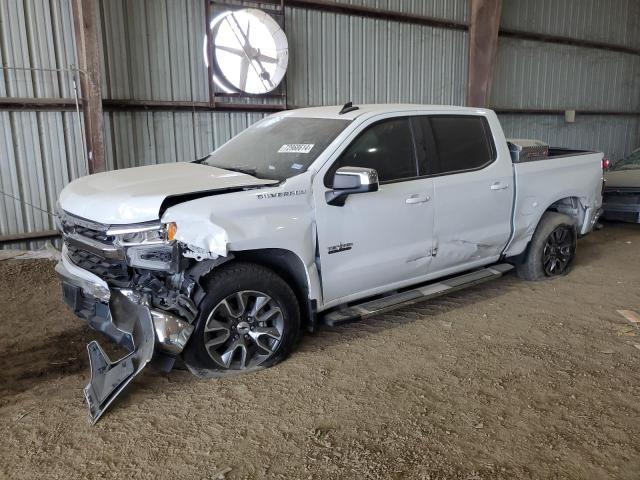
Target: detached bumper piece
x=109 y=378
x=124 y=317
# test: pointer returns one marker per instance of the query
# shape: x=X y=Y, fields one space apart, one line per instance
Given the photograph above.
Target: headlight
x=152 y=257
x=140 y=238
x=142 y=234
x=148 y=246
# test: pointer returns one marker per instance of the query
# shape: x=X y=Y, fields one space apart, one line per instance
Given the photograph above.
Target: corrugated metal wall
x=337 y=58
x=152 y=50
x=610 y=21
x=156 y=54
x=39 y=151
x=141 y=138
x=589 y=132
x=535 y=75
x=565 y=77
x=449 y=9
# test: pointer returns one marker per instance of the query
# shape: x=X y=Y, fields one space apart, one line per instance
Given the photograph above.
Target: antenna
x=348 y=107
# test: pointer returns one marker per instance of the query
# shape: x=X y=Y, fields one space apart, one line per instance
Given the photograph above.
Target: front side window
x=277 y=148
x=461 y=143
x=386 y=146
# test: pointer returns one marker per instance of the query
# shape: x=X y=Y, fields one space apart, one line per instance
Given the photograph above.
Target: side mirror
x=351 y=180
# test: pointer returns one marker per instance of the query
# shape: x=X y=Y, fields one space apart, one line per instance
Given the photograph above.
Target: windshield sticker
x=296 y=148
x=296 y=166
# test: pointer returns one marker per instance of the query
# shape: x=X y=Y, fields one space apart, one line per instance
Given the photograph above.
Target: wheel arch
x=566 y=204
x=570 y=206
x=291 y=268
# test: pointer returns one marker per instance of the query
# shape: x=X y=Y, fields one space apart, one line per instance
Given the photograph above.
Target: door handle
x=499 y=186
x=417 y=198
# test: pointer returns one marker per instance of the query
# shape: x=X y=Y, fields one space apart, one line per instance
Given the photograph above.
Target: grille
x=96 y=235
x=112 y=271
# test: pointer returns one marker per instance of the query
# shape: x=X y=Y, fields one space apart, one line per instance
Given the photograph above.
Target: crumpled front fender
x=126 y=318
x=109 y=378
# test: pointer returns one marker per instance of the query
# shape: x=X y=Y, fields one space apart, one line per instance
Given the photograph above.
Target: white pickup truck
x=332 y=214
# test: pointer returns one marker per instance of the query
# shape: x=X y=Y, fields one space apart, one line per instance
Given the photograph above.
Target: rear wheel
x=249 y=318
x=552 y=248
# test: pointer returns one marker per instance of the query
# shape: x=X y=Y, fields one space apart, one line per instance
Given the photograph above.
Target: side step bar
x=408 y=297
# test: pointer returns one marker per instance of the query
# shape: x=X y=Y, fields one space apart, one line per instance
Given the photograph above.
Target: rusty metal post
x=85 y=24
x=483 y=46
x=208 y=9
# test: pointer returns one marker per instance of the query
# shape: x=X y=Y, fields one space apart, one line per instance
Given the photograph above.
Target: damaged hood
x=135 y=195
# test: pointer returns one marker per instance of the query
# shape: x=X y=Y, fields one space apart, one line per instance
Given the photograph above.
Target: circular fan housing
x=251 y=52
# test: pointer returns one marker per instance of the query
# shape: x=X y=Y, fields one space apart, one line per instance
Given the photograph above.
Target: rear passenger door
x=473 y=193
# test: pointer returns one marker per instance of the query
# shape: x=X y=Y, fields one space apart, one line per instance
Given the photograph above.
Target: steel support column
x=483 y=46
x=85 y=23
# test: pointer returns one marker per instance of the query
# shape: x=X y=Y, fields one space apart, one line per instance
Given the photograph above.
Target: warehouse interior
x=152 y=94
x=505 y=380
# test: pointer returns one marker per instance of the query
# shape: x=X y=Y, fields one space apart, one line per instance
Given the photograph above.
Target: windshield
x=628 y=163
x=277 y=148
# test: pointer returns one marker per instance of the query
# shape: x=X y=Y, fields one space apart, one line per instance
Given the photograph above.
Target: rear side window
x=386 y=146
x=460 y=143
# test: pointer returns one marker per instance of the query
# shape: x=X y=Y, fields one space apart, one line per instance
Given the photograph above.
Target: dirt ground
x=506 y=380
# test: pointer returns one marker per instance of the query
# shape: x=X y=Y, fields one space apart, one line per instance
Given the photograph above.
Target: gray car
x=621 y=199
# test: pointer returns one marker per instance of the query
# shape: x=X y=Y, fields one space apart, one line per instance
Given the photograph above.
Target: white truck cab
x=308 y=214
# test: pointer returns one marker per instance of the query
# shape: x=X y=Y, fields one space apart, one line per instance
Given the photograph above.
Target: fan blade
x=266 y=59
x=244 y=70
x=233 y=51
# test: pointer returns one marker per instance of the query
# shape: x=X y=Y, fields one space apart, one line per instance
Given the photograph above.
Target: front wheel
x=249 y=318
x=552 y=248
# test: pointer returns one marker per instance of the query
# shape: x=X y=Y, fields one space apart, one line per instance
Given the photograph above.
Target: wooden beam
x=18 y=104
x=115 y=105
x=556 y=111
x=21 y=237
x=562 y=40
x=85 y=23
x=330 y=6
x=15 y=104
x=483 y=46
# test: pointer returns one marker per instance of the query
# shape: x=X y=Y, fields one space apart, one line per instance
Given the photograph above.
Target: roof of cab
x=373 y=109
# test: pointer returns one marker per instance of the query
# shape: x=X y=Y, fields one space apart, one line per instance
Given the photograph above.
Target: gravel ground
x=506 y=380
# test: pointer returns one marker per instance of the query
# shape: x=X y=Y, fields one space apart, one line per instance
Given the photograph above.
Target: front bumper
x=126 y=318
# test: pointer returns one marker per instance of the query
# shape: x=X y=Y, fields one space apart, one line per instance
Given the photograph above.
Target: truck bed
x=555 y=152
x=568 y=180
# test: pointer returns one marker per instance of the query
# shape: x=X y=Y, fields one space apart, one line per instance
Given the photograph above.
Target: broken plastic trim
x=109 y=378
x=125 y=317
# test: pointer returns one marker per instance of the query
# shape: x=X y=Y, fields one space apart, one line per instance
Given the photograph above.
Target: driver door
x=378 y=240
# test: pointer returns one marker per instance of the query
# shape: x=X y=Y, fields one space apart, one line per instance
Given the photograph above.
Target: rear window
x=461 y=143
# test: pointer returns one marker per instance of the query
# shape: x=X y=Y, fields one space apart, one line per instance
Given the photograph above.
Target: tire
x=552 y=248
x=237 y=329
